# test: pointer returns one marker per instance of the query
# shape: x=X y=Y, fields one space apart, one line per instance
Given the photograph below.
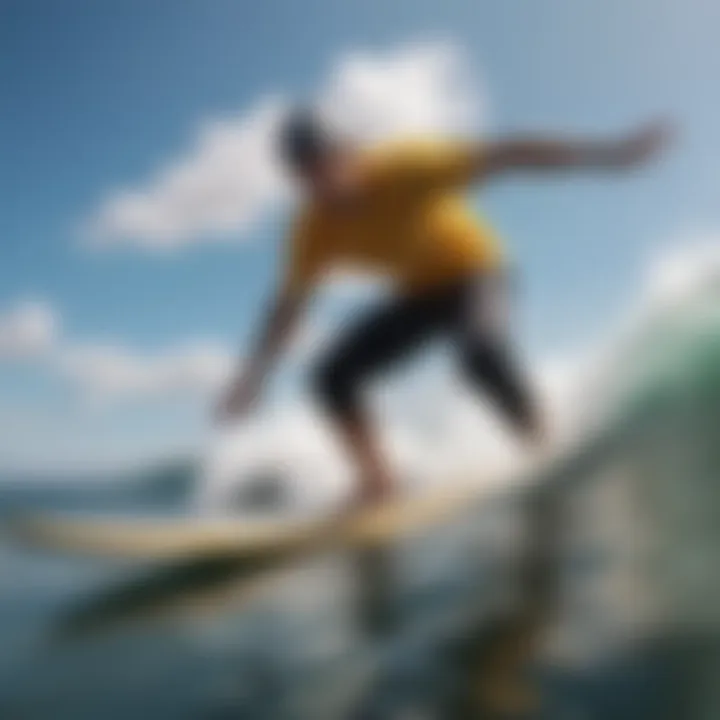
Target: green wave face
x=669 y=385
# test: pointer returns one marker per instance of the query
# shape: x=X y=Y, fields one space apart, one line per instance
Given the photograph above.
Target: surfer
x=398 y=211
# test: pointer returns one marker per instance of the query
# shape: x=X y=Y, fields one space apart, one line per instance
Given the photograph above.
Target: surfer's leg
x=384 y=337
x=488 y=359
x=493 y=370
x=361 y=443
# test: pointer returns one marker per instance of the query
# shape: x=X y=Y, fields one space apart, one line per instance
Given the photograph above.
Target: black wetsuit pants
x=471 y=313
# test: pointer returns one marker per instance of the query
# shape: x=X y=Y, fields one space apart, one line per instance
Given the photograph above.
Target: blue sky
x=100 y=96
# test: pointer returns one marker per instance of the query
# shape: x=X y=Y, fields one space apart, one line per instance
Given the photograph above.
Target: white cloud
x=416 y=89
x=219 y=188
x=29 y=329
x=111 y=373
x=681 y=270
x=229 y=179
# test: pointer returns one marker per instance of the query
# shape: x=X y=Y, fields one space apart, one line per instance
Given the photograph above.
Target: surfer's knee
x=334 y=388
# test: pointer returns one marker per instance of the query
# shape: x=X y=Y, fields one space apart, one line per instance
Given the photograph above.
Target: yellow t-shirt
x=411 y=225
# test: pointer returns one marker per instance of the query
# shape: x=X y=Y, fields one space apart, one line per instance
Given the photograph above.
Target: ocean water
x=301 y=649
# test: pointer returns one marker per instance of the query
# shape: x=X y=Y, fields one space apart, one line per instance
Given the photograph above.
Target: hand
x=241 y=398
x=643 y=144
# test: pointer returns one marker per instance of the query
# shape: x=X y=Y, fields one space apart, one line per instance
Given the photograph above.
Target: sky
x=142 y=215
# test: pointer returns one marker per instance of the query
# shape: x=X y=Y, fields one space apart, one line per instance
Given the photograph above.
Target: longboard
x=196 y=562
x=155 y=539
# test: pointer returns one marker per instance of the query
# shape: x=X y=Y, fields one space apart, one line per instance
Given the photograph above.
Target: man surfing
x=398 y=211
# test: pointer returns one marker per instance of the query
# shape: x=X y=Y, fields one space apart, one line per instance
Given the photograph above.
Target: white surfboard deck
x=167 y=538
x=155 y=538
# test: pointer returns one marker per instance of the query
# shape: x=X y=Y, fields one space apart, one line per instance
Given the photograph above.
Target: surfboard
x=155 y=539
x=193 y=562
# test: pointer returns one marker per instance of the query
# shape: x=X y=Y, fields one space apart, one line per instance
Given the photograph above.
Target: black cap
x=303 y=139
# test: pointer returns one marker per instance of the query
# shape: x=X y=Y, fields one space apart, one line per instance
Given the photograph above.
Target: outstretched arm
x=246 y=389
x=548 y=154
